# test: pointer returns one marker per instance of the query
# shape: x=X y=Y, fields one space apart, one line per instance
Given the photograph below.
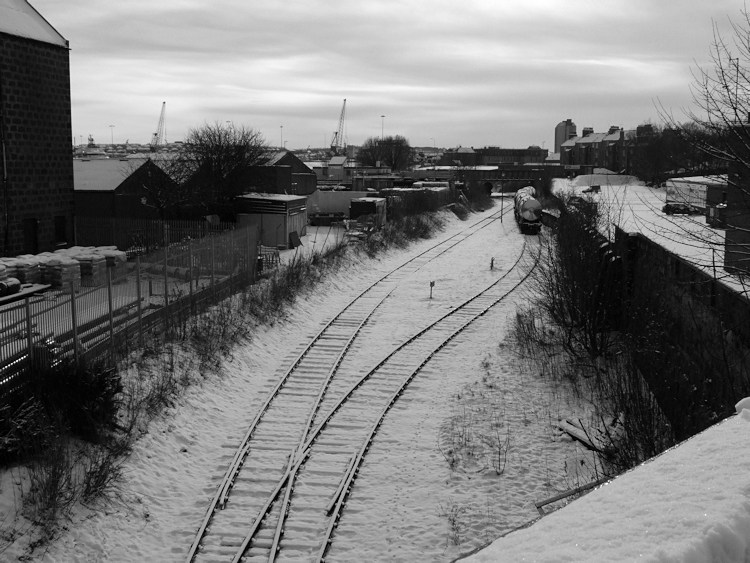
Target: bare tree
x=211 y=159
x=394 y=152
x=722 y=119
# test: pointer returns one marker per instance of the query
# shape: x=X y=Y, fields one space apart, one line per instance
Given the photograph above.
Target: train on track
x=527 y=210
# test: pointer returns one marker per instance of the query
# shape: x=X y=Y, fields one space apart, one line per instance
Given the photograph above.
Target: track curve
x=323 y=473
x=274 y=445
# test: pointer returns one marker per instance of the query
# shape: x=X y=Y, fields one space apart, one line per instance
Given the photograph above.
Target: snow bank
x=691 y=504
x=610 y=179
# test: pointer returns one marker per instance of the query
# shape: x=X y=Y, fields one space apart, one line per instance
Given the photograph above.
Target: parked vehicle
x=684 y=197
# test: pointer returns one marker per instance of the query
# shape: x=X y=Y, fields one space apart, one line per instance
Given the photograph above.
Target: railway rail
x=278 y=440
x=327 y=464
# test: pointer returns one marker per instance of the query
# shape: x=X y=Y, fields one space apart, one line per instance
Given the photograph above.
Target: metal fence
x=141 y=236
x=136 y=298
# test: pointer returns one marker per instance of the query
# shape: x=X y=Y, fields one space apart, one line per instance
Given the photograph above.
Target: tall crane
x=158 y=138
x=338 y=144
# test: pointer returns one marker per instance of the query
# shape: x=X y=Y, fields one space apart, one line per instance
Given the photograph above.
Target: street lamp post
x=382 y=126
x=281 y=127
x=112 y=136
x=433 y=142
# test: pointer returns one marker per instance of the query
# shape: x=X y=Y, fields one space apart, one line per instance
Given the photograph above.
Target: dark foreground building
x=37 y=201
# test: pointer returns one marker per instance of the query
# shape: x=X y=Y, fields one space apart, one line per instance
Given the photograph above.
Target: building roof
x=337 y=161
x=570 y=142
x=591 y=138
x=273 y=197
x=275 y=158
x=614 y=135
x=105 y=174
x=713 y=180
x=369 y=199
x=19 y=18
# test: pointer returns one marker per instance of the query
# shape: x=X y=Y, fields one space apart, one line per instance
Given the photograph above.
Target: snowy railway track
x=321 y=472
x=274 y=444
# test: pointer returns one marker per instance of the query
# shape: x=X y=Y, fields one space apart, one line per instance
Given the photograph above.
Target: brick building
x=598 y=150
x=37 y=201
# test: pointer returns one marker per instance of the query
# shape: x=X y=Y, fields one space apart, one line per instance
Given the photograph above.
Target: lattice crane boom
x=158 y=138
x=337 y=142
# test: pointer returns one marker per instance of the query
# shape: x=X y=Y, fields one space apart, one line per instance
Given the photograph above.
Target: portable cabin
x=280 y=218
x=375 y=206
x=325 y=207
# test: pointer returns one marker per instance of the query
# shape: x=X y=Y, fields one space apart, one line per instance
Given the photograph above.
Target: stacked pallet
x=43 y=259
x=28 y=269
x=93 y=269
x=61 y=272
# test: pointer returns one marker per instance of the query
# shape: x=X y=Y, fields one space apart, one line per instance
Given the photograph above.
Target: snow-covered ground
x=636 y=207
x=408 y=503
x=689 y=505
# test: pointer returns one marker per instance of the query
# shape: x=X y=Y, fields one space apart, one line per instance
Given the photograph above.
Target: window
x=30 y=236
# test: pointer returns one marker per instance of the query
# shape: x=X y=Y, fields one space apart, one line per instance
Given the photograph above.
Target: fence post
x=111 y=313
x=166 y=290
x=190 y=276
x=213 y=258
x=250 y=265
x=29 y=337
x=231 y=259
x=74 y=320
x=138 y=296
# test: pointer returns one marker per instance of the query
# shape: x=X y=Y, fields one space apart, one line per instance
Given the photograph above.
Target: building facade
x=564 y=131
x=597 y=150
x=35 y=131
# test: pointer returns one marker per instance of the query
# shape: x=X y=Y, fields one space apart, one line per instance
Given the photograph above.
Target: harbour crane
x=158 y=138
x=338 y=144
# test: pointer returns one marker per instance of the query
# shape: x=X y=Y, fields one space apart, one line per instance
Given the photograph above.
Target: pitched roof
x=592 y=138
x=19 y=18
x=275 y=158
x=105 y=174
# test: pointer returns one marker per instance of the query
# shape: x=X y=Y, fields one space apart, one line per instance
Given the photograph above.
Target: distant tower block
x=565 y=130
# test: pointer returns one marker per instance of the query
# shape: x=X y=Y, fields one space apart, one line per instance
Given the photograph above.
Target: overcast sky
x=469 y=72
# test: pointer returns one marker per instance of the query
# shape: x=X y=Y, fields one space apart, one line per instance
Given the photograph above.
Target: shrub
x=85 y=396
x=460 y=211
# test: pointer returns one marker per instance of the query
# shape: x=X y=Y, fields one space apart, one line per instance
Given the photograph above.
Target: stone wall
x=701 y=364
x=38 y=197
